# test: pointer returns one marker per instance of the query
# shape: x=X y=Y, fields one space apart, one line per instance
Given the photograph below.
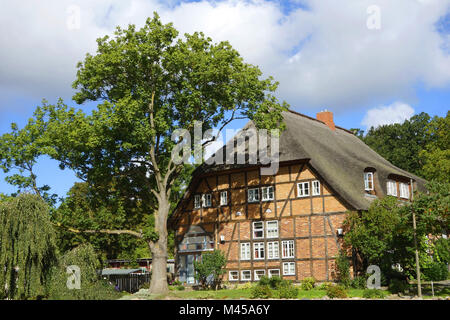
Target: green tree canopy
x=27 y=247
x=150 y=83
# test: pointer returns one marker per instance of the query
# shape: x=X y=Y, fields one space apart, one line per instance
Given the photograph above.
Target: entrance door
x=186 y=263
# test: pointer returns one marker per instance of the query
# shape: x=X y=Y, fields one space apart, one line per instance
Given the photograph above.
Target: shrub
x=261 y=292
x=286 y=290
x=436 y=271
x=358 y=283
x=264 y=281
x=180 y=287
x=373 y=294
x=92 y=288
x=343 y=269
x=308 y=283
x=398 y=286
x=324 y=286
x=336 y=292
x=210 y=269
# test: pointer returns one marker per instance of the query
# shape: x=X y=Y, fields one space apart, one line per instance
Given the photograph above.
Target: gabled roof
x=338 y=156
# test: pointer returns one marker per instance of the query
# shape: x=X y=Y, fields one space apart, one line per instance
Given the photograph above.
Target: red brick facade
x=309 y=222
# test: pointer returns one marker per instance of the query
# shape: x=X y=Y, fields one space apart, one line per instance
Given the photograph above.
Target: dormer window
x=368 y=181
x=392 y=188
x=404 y=190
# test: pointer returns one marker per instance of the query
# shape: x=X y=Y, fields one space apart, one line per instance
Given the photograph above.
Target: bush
x=398 y=286
x=261 y=292
x=436 y=271
x=210 y=269
x=286 y=290
x=92 y=288
x=324 y=286
x=264 y=281
x=373 y=294
x=308 y=283
x=358 y=283
x=343 y=269
x=336 y=292
x=180 y=287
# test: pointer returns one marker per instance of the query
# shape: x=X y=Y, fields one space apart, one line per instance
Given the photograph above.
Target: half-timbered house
x=288 y=224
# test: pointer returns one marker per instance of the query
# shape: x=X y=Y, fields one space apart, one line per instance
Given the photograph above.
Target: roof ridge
x=311 y=118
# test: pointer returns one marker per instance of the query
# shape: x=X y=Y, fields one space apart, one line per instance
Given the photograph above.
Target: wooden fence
x=129 y=282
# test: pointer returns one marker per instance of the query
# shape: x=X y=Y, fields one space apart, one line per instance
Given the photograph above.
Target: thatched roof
x=338 y=156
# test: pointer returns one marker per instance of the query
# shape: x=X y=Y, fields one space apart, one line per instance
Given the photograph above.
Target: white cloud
x=397 y=112
x=323 y=56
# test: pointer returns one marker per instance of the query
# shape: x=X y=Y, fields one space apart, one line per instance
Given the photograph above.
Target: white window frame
x=223 y=198
x=253 y=195
x=315 y=186
x=230 y=278
x=267 y=193
x=206 y=200
x=260 y=248
x=270 y=229
x=391 y=186
x=270 y=275
x=368 y=181
x=404 y=190
x=243 y=277
x=287 y=268
x=256 y=277
x=301 y=190
x=259 y=229
x=273 y=250
x=197 y=201
x=290 y=249
x=246 y=251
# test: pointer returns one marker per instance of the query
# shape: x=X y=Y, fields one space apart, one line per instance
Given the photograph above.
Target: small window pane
x=253 y=195
x=258 y=230
x=316 y=188
x=303 y=189
x=272 y=229
x=233 y=276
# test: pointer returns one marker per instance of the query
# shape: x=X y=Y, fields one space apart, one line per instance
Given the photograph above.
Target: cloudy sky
x=370 y=62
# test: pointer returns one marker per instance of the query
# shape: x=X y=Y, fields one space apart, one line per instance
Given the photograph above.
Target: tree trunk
x=158 y=284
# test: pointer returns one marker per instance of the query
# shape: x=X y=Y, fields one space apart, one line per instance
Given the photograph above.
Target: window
x=272 y=229
x=288 y=268
x=258 y=250
x=246 y=275
x=259 y=274
x=273 y=250
x=368 y=181
x=245 y=251
x=197 y=202
x=288 y=248
x=233 y=276
x=206 y=200
x=316 y=188
x=303 y=189
x=253 y=195
x=404 y=190
x=258 y=230
x=391 y=188
x=223 y=198
x=267 y=193
x=274 y=273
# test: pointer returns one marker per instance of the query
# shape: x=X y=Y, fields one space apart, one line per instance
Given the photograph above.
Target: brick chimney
x=327 y=118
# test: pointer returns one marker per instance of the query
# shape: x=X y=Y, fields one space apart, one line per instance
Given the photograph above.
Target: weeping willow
x=27 y=247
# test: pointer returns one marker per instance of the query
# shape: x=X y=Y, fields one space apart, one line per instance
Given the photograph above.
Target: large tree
x=151 y=82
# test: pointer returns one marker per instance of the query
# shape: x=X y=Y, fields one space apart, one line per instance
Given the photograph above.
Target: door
x=186 y=263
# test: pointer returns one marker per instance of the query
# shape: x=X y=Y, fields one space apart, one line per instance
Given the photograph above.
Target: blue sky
x=370 y=62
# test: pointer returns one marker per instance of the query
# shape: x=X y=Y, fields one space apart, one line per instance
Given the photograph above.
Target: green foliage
x=398 y=286
x=286 y=290
x=336 y=292
x=325 y=285
x=402 y=143
x=27 y=247
x=308 y=283
x=210 y=269
x=343 y=269
x=436 y=271
x=358 y=282
x=373 y=294
x=261 y=292
x=92 y=288
x=436 y=154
